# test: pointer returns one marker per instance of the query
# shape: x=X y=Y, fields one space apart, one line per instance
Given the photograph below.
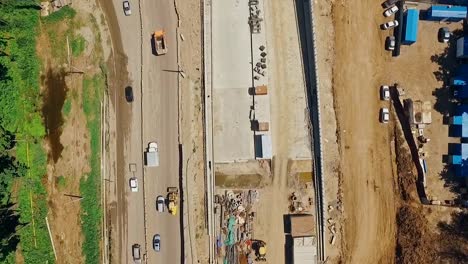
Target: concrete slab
x=231 y=48
x=233 y=139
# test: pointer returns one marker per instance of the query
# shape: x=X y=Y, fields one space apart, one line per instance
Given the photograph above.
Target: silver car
x=392 y=10
x=385 y=92
x=157 y=243
x=134 y=184
x=136 y=253
x=126 y=8
x=160 y=203
x=390 y=24
x=390 y=43
x=384 y=115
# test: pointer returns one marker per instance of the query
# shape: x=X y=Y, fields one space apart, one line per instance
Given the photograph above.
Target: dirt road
x=368 y=185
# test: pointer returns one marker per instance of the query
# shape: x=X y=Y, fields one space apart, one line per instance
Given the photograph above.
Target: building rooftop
x=459 y=160
x=460 y=121
x=304 y=250
x=302 y=225
x=448 y=11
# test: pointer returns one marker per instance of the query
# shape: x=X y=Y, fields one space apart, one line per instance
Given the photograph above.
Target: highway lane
x=128 y=118
x=153 y=117
x=160 y=123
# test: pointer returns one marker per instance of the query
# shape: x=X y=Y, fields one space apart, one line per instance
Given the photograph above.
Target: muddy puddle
x=55 y=92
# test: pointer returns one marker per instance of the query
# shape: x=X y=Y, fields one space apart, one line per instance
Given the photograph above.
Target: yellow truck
x=159 y=41
x=173 y=197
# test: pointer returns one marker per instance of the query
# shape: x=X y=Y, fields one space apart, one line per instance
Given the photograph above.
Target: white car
x=384 y=115
x=390 y=43
x=390 y=24
x=126 y=8
x=392 y=10
x=134 y=184
x=385 y=92
x=160 y=204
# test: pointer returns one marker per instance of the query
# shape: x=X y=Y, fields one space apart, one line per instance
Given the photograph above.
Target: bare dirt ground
x=65 y=173
x=191 y=129
x=286 y=70
x=367 y=181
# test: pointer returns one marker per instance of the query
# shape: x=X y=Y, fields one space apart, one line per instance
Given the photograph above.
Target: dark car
x=389 y=3
x=157 y=242
x=129 y=94
x=444 y=34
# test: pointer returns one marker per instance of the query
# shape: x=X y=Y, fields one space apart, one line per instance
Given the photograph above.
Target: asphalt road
x=153 y=116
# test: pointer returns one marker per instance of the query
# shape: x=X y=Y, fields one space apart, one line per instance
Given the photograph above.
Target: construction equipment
x=173 y=197
x=259 y=246
x=159 y=42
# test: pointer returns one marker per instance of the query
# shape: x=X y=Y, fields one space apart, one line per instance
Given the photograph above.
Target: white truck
x=152 y=155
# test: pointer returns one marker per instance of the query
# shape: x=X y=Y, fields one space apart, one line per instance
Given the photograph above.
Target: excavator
x=259 y=246
x=173 y=197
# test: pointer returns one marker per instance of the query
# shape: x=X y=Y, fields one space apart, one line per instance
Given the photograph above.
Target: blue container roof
x=460 y=160
x=457 y=120
x=447 y=11
x=462 y=112
x=460 y=80
x=411 y=27
x=456 y=159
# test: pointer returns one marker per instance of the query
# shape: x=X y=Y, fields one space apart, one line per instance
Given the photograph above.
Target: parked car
x=385 y=92
x=160 y=203
x=444 y=34
x=134 y=184
x=129 y=94
x=384 y=115
x=392 y=10
x=389 y=3
x=390 y=24
x=136 y=253
x=157 y=243
x=390 y=43
x=126 y=8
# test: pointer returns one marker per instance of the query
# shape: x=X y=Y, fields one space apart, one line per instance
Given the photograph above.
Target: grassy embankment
x=93 y=85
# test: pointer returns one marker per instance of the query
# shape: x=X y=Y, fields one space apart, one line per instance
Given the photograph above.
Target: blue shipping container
x=410 y=32
x=446 y=12
x=459 y=80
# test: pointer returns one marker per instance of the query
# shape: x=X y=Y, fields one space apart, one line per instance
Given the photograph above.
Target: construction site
x=261 y=156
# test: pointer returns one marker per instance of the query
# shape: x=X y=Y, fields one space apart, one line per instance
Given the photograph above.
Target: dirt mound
x=414 y=241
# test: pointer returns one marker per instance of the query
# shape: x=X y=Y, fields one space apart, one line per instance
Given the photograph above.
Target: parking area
x=424 y=70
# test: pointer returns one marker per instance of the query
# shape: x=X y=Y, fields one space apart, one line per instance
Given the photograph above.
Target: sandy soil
x=191 y=129
x=364 y=143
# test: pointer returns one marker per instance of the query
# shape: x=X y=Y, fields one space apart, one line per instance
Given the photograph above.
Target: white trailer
x=152 y=155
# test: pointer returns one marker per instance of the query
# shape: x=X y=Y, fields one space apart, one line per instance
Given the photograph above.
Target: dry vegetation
x=417 y=242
